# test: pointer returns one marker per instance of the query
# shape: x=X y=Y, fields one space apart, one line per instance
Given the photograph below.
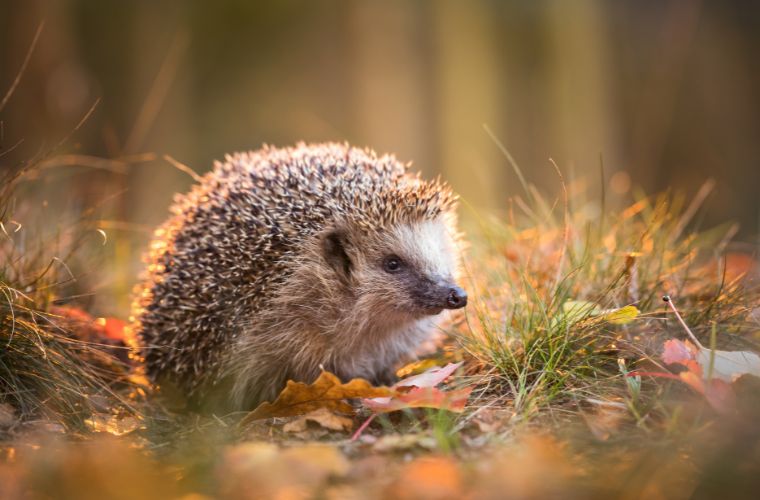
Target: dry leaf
x=429 y=378
x=576 y=310
x=729 y=365
x=322 y=417
x=715 y=384
x=726 y=365
x=683 y=353
x=113 y=424
x=403 y=442
x=417 y=367
x=420 y=392
x=112 y=328
x=327 y=391
x=422 y=397
x=718 y=393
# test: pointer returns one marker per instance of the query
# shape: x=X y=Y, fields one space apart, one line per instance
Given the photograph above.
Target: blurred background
x=664 y=94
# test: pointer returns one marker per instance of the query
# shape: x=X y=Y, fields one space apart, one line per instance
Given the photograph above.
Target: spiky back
x=231 y=240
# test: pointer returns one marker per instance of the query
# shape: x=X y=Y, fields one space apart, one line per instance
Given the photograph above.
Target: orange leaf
x=112 y=328
x=327 y=391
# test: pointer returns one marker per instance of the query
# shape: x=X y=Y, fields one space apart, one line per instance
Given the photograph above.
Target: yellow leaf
x=327 y=391
x=621 y=316
x=576 y=310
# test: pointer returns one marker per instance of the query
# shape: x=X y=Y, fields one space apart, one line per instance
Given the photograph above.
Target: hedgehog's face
x=408 y=270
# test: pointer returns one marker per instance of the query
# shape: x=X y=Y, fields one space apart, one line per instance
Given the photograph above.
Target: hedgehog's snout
x=432 y=297
x=457 y=298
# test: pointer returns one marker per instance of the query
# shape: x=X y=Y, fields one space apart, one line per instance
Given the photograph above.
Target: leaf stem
x=362 y=427
x=693 y=337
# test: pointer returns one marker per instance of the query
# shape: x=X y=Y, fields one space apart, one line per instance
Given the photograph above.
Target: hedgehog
x=284 y=262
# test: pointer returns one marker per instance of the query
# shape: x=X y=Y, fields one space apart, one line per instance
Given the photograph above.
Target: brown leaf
x=322 y=417
x=327 y=391
x=113 y=424
x=404 y=442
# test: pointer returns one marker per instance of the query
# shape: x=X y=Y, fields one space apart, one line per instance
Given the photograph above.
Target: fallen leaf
x=429 y=378
x=726 y=365
x=683 y=353
x=729 y=365
x=718 y=393
x=576 y=310
x=112 y=328
x=714 y=384
x=403 y=442
x=422 y=393
x=327 y=391
x=113 y=424
x=322 y=417
x=620 y=316
x=422 y=397
x=417 y=367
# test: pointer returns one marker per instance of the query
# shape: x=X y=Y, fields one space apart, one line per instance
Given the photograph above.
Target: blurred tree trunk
x=391 y=62
x=582 y=125
x=468 y=87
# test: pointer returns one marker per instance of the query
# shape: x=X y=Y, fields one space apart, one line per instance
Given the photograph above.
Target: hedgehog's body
x=285 y=261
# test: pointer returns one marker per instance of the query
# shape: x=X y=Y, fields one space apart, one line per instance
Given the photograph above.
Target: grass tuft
x=538 y=354
x=47 y=372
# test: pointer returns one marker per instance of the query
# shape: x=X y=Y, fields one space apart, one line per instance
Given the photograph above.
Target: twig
x=362 y=427
x=184 y=168
x=670 y=303
x=21 y=71
x=511 y=160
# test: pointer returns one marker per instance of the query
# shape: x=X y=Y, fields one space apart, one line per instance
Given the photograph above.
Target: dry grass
x=554 y=411
x=48 y=373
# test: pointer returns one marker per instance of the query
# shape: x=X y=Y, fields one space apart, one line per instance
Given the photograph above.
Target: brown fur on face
x=284 y=261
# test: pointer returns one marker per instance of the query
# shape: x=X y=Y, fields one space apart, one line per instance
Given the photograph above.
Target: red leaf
x=422 y=397
x=683 y=353
x=112 y=328
x=429 y=378
x=718 y=393
x=675 y=351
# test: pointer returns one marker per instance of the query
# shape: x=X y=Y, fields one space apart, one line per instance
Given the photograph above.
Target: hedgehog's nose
x=457 y=298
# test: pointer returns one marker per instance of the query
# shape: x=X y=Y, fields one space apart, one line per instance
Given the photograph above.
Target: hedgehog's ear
x=334 y=247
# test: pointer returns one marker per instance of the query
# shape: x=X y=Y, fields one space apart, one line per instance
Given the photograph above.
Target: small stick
x=669 y=302
x=362 y=427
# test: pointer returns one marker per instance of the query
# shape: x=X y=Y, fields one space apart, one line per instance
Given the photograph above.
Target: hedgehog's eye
x=392 y=264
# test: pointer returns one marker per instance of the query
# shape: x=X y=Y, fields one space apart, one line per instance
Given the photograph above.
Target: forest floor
x=567 y=375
